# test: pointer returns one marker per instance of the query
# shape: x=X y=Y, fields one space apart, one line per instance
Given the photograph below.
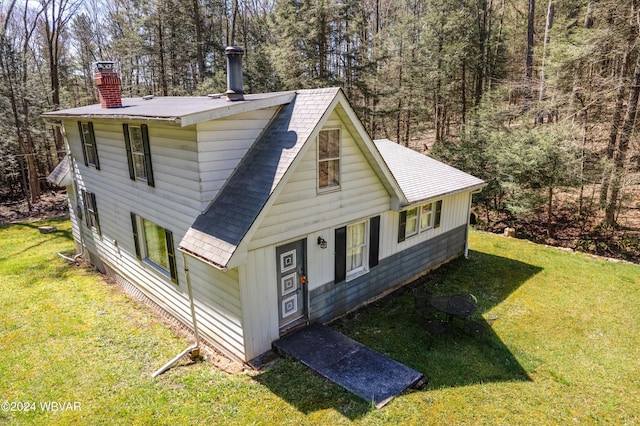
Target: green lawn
x=565 y=348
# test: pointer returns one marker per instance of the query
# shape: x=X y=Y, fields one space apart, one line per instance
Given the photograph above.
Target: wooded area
x=539 y=100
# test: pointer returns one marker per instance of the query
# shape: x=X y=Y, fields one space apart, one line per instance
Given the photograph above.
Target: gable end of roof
x=216 y=234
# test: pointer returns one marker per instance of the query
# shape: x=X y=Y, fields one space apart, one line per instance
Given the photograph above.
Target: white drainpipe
x=74 y=184
x=466 y=239
x=194 y=350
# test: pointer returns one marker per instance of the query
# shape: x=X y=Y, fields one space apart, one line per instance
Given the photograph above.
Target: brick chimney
x=235 y=91
x=108 y=83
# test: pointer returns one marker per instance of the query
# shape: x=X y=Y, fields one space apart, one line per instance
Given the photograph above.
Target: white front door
x=292 y=298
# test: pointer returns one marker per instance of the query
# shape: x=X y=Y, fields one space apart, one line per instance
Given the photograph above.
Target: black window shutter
x=436 y=223
x=127 y=144
x=82 y=142
x=341 y=254
x=95 y=211
x=173 y=267
x=402 y=227
x=374 y=241
x=85 y=205
x=147 y=154
x=95 y=145
x=136 y=239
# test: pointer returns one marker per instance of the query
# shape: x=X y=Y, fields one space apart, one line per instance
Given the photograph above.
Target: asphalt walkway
x=350 y=364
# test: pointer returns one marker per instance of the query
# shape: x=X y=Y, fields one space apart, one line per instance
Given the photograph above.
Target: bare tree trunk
x=528 y=73
x=54 y=24
x=234 y=17
x=197 y=20
x=463 y=89
x=550 y=212
x=496 y=52
x=480 y=67
x=620 y=158
x=541 y=97
x=588 y=18
x=616 y=123
x=163 y=69
x=15 y=75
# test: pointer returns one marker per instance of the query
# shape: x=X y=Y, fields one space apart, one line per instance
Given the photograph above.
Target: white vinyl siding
x=174 y=203
x=455 y=213
x=299 y=209
x=223 y=143
x=260 y=317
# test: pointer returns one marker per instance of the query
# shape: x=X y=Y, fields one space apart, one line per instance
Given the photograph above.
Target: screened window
x=138 y=153
x=329 y=159
x=412 y=222
x=357 y=249
x=91 y=210
x=357 y=253
x=426 y=217
x=419 y=219
x=154 y=245
x=89 y=149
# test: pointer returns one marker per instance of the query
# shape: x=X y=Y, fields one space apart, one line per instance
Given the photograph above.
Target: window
x=419 y=219
x=91 y=210
x=88 y=141
x=412 y=222
x=154 y=245
x=426 y=217
x=357 y=249
x=329 y=159
x=136 y=139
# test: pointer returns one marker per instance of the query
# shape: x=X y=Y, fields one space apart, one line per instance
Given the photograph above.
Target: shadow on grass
x=45 y=238
x=392 y=327
x=308 y=392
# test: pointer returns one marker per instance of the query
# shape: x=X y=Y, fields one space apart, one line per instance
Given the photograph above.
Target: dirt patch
x=580 y=233
x=52 y=204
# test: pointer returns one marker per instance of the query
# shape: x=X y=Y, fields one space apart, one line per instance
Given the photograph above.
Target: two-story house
x=275 y=209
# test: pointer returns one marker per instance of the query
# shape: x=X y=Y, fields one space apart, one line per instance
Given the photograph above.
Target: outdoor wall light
x=322 y=242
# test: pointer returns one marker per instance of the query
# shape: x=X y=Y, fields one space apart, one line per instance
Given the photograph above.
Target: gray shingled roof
x=181 y=110
x=421 y=177
x=216 y=234
x=60 y=175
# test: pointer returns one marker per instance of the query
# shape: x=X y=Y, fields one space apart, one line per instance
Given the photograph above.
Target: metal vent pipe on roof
x=235 y=91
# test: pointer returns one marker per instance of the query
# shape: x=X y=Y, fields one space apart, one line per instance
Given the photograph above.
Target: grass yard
x=565 y=348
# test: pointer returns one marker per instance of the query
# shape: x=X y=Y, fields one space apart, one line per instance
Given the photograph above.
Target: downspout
x=466 y=242
x=74 y=184
x=466 y=239
x=74 y=259
x=193 y=350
